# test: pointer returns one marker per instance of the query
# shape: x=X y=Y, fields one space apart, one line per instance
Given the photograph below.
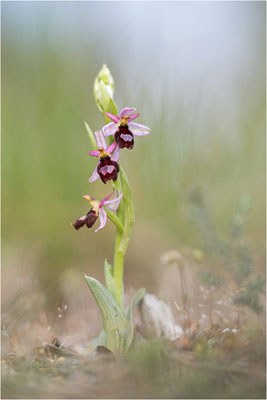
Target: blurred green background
x=196 y=74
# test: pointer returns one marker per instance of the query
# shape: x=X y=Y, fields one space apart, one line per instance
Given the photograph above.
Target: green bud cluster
x=104 y=91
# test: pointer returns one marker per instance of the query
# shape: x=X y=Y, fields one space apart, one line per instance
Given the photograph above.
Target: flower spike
x=124 y=129
x=97 y=210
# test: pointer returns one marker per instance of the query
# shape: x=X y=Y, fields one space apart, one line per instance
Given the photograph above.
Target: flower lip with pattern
x=124 y=129
x=97 y=210
x=107 y=167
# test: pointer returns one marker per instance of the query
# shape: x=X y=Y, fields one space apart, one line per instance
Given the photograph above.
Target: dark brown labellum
x=124 y=137
x=108 y=169
x=89 y=219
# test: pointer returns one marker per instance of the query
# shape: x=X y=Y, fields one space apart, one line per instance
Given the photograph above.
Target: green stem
x=129 y=215
x=118 y=256
x=126 y=214
x=118 y=269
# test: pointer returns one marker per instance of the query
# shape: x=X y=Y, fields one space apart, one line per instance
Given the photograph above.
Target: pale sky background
x=207 y=49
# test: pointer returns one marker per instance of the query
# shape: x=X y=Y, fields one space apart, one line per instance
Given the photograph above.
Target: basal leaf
x=101 y=340
x=115 y=323
x=135 y=300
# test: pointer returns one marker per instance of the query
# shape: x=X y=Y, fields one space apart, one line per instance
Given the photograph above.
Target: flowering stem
x=126 y=214
x=129 y=215
x=118 y=269
x=118 y=263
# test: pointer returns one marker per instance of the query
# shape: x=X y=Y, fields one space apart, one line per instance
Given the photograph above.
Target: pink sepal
x=114 y=203
x=138 y=129
x=108 y=126
x=102 y=218
x=94 y=175
x=100 y=139
x=115 y=156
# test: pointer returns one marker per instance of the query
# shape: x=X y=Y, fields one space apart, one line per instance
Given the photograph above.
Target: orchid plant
x=117 y=333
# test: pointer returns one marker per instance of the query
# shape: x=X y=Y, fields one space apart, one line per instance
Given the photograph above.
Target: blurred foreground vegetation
x=219 y=364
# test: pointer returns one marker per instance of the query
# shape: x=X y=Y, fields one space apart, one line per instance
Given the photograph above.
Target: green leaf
x=137 y=297
x=135 y=300
x=114 y=218
x=91 y=136
x=110 y=283
x=115 y=323
x=113 y=108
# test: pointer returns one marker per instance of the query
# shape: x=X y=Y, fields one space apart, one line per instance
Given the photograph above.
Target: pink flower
x=124 y=129
x=97 y=210
x=107 y=167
